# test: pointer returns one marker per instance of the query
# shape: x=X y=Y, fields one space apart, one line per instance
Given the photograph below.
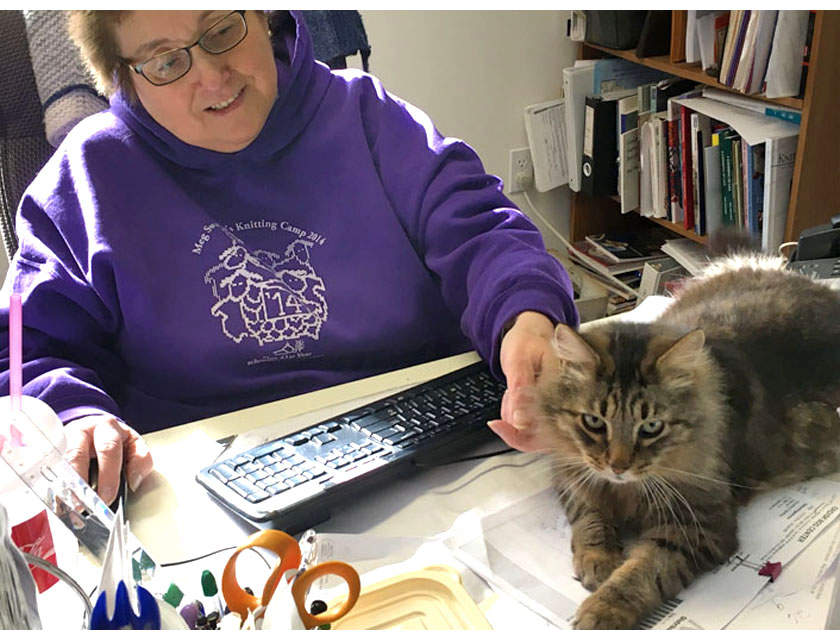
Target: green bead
x=208 y=584
x=173 y=595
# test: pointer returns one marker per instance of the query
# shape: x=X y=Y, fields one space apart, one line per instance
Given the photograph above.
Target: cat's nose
x=617 y=470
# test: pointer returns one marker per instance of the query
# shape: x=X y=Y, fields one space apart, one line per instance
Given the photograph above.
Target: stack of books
x=617 y=262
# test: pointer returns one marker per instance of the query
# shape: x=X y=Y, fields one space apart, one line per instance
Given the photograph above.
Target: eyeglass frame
x=138 y=68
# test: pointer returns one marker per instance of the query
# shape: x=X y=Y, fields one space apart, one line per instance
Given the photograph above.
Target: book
x=586 y=254
x=647 y=168
x=661 y=196
x=779 y=159
x=742 y=75
x=736 y=17
x=627 y=123
x=784 y=67
x=711 y=184
x=689 y=254
x=675 y=213
x=806 y=57
x=725 y=139
x=763 y=42
x=687 y=171
x=701 y=137
x=634 y=247
x=737 y=182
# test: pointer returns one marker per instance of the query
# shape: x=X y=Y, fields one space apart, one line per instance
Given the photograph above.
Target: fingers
x=138 y=459
x=526 y=440
x=114 y=444
x=108 y=443
x=519 y=407
x=79 y=449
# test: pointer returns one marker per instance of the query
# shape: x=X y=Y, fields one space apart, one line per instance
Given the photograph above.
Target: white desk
x=175 y=519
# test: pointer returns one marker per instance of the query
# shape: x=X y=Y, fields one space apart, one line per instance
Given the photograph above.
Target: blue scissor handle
x=124 y=618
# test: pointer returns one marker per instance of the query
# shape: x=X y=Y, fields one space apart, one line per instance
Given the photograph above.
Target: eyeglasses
x=169 y=66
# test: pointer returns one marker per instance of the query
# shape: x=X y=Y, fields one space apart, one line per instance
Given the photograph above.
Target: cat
x=661 y=430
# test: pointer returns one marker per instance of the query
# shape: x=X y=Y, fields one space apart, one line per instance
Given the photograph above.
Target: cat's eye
x=651 y=428
x=593 y=423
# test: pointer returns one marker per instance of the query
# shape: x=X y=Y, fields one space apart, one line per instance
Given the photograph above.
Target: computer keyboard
x=293 y=482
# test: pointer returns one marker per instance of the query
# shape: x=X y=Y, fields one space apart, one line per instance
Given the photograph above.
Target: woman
x=244 y=225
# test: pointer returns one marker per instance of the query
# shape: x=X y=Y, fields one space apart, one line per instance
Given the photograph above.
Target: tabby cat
x=659 y=431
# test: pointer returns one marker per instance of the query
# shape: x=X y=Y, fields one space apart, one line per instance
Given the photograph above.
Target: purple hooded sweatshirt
x=163 y=282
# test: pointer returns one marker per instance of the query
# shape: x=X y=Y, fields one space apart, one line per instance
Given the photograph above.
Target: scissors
x=295 y=557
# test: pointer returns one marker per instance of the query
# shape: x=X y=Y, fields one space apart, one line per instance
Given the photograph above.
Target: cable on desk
x=212 y=553
x=466 y=459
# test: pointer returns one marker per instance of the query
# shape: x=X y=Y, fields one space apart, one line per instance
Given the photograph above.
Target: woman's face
x=185 y=107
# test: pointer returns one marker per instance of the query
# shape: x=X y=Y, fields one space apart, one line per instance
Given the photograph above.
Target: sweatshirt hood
x=301 y=84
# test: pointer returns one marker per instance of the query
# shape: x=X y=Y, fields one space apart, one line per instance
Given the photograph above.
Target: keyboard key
x=248 y=467
x=323 y=439
x=332 y=427
x=280 y=487
x=221 y=475
x=258 y=496
x=297 y=440
x=259 y=474
x=243 y=487
x=242 y=458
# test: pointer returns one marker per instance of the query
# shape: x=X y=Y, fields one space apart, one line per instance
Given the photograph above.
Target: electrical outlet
x=520 y=165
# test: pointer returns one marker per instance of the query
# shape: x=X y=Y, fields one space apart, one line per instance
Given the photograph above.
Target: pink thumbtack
x=771 y=570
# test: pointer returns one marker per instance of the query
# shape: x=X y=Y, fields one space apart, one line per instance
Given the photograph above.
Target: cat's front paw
x=593 y=565
x=601 y=612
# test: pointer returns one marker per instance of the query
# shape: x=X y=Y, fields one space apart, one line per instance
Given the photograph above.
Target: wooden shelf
x=815 y=189
x=678 y=228
x=688 y=71
x=673 y=226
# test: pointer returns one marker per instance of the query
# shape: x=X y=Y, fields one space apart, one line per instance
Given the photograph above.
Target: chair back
x=23 y=144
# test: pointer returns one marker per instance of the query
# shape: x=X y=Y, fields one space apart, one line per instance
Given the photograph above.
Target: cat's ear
x=571 y=347
x=678 y=365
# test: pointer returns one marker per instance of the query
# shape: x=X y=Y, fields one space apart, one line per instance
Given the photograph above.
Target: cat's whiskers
x=677 y=520
x=706 y=478
x=698 y=528
x=569 y=492
x=651 y=503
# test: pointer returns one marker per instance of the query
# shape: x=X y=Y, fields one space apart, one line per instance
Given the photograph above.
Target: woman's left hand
x=525 y=350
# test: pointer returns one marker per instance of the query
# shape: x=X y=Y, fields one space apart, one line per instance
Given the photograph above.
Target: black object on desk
x=292 y=483
x=93 y=481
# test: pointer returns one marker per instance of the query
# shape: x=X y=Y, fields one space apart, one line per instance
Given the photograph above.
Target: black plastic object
x=614 y=29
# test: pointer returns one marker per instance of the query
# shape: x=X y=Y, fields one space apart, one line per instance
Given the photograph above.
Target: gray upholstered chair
x=23 y=144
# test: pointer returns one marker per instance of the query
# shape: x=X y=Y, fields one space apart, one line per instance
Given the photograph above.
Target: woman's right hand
x=113 y=444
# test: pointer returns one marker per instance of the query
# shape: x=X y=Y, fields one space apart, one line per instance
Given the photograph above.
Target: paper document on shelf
x=545 y=126
x=753 y=127
x=525 y=551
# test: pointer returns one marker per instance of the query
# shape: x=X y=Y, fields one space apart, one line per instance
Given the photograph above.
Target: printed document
x=525 y=552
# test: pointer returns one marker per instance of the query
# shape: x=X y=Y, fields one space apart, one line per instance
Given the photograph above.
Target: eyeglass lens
x=221 y=37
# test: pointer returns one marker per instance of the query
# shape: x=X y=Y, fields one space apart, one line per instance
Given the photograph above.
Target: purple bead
x=190 y=613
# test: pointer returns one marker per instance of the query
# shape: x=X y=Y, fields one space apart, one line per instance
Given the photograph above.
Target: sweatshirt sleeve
x=67 y=328
x=490 y=259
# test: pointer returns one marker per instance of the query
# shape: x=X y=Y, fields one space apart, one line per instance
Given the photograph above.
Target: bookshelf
x=815 y=192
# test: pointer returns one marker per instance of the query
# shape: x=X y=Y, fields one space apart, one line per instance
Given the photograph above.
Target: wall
x=474 y=72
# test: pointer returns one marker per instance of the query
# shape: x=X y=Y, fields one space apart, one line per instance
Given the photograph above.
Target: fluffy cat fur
x=659 y=431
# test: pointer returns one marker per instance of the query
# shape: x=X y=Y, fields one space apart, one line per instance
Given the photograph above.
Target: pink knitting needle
x=15 y=352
